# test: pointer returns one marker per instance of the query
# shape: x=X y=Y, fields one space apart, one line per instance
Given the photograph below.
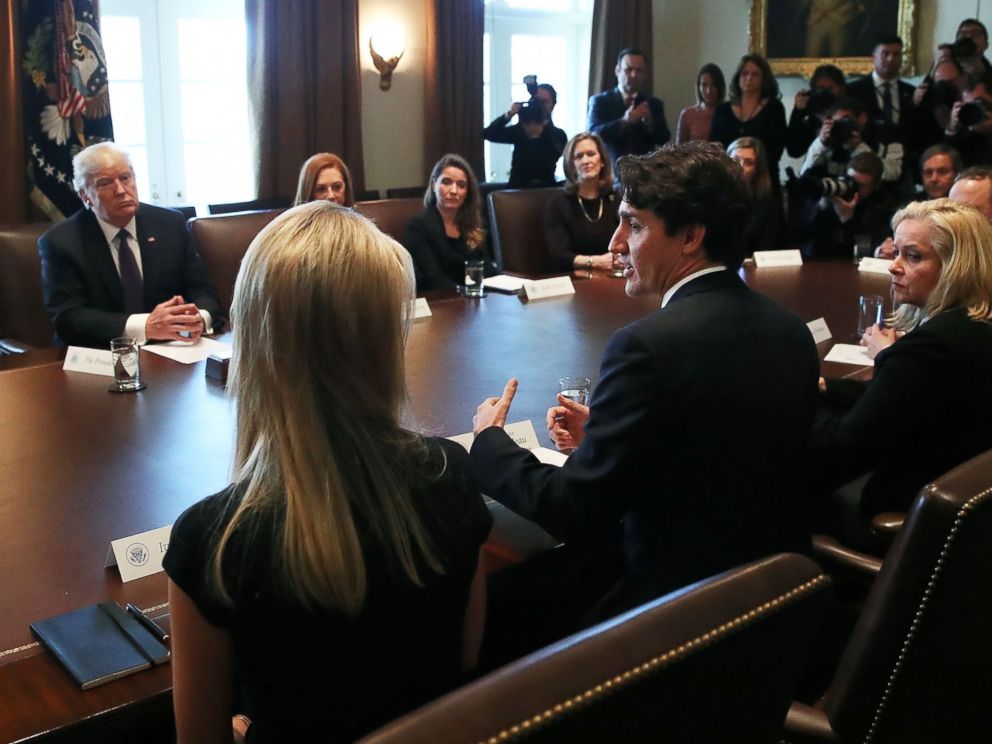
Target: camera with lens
x=532 y=111
x=814 y=186
x=964 y=48
x=840 y=132
x=820 y=101
x=973 y=112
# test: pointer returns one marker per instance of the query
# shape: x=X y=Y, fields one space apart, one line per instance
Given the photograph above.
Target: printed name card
x=819 y=330
x=89 y=361
x=875 y=265
x=850 y=354
x=421 y=309
x=765 y=259
x=521 y=432
x=542 y=289
x=139 y=555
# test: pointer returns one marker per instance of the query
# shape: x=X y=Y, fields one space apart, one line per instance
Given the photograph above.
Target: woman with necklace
x=580 y=221
x=754 y=110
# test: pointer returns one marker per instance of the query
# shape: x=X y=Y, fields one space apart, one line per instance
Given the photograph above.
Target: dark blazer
x=534 y=158
x=81 y=285
x=695 y=439
x=863 y=89
x=438 y=261
x=926 y=410
x=606 y=111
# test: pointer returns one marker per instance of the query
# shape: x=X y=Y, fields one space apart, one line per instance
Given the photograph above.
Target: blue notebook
x=100 y=643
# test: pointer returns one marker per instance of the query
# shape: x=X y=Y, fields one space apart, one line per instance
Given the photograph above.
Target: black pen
x=150 y=625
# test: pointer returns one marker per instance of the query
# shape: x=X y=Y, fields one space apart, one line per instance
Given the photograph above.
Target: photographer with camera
x=537 y=142
x=826 y=87
x=970 y=127
x=845 y=134
x=936 y=95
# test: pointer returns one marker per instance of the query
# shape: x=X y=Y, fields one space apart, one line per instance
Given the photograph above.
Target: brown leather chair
x=391 y=215
x=222 y=241
x=23 y=320
x=918 y=665
x=715 y=662
x=516 y=218
x=255 y=205
x=406 y=192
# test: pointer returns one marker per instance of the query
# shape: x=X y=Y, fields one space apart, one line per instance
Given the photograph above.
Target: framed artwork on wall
x=798 y=35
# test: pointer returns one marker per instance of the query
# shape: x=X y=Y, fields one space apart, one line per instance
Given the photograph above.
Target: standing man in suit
x=121 y=268
x=887 y=99
x=629 y=121
x=694 y=435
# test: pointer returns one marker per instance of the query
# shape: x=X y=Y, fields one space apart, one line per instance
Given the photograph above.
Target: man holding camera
x=970 y=126
x=844 y=134
x=537 y=142
x=630 y=122
x=826 y=87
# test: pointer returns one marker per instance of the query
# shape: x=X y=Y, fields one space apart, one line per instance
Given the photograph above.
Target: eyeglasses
x=105 y=184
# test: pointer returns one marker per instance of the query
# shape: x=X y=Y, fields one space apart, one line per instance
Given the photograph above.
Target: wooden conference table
x=80 y=467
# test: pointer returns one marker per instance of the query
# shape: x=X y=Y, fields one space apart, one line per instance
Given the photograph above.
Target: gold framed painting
x=796 y=36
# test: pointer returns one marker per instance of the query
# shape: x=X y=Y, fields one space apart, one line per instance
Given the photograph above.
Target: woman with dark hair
x=580 y=221
x=695 y=122
x=325 y=176
x=754 y=110
x=764 y=229
x=337 y=580
x=449 y=230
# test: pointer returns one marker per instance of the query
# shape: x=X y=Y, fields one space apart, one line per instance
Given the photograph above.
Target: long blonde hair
x=321 y=311
x=962 y=238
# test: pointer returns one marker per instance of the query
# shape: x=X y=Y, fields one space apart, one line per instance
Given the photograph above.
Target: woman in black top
x=449 y=230
x=580 y=221
x=338 y=578
x=764 y=228
x=754 y=110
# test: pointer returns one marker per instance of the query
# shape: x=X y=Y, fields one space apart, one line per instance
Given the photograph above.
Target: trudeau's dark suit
x=695 y=439
x=606 y=112
x=82 y=287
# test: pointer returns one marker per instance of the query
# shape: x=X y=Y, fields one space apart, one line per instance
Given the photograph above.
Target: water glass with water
x=124 y=355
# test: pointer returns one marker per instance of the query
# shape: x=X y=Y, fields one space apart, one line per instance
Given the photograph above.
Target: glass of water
x=124 y=355
x=869 y=312
x=575 y=388
x=475 y=276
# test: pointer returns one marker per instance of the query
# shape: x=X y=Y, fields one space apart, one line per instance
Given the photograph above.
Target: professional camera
x=814 y=186
x=820 y=101
x=532 y=111
x=973 y=112
x=943 y=93
x=840 y=132
x=964 y=48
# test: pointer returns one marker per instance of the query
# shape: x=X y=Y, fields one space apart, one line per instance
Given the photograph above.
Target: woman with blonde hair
x=449 y=230
x=926 y=409
x=764 y=229
x=325 y=176
x=339 y=574
x=580 y=221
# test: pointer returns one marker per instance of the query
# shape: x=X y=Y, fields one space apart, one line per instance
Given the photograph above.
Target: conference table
x=80 y=467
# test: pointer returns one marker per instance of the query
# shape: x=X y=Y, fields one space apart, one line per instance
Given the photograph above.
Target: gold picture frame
x=792 y=31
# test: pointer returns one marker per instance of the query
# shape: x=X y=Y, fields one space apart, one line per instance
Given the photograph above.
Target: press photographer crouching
x=537 y=142
x=970 y=126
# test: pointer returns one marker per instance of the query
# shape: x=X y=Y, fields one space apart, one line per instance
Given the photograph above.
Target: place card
x=819 y=330
x=542 y=289
x=139 y=555
x=850 y=354
x=505 y=283
x=521 y=432
x=88 y=361
x=875 y=265
x=766 y=259
x=421 y=309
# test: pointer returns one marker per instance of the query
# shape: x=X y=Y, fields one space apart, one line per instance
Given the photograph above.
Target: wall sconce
x=387 y=44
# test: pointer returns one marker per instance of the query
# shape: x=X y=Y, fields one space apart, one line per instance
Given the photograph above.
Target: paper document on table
x=550 y=456
x=180 y=351
x=504 y=283
x=874 y=265
x=850 y=354
x=524 y=435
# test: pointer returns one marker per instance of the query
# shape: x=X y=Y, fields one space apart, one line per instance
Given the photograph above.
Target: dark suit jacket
x=926 y=410
x=606 y=111
x=438 y=261
x=82 y=288
x=695 y=439
x=863 y=89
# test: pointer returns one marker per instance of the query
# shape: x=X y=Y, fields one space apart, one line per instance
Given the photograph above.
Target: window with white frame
x=179 y=97
x=547 y=38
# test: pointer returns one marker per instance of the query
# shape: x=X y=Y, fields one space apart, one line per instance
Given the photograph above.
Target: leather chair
x=715 y=662
x=516 y=217
x=222 y=241
x=391 y=215
x=23 y=320
x=917 y=665
x=255 y=205
x=407 y=192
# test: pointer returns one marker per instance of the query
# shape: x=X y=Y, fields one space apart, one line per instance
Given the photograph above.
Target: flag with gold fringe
x=66 y=101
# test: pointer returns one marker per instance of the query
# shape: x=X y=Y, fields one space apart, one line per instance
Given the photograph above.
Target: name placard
x=542 y=289
x=850 y=354
x=421 y=309
x=819 y=330
x=875 y=265
x=521 y=432
x=139 y=555
x=88 y=361
x=767 y=259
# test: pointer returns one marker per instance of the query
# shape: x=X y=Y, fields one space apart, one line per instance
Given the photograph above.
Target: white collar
x=879 y=82
x=110 y=231
x=686 y=279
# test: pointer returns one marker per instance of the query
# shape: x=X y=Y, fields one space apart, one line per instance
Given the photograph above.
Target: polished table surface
x=80 y=467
